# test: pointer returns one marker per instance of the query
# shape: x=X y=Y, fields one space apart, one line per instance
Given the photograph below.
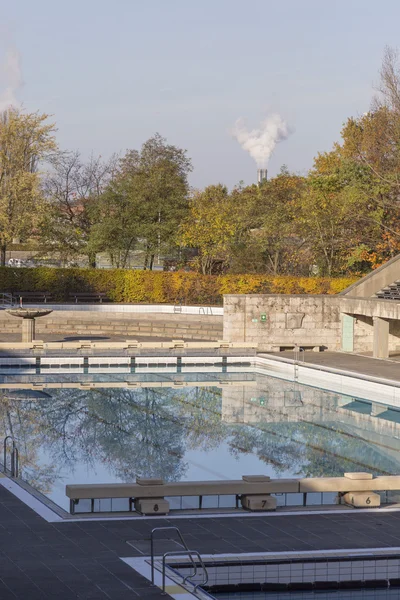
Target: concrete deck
x=358 y=364
x=41 y=560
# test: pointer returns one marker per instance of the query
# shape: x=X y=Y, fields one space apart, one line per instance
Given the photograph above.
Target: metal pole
x=152 y=557
x=163 y=573
x=16 y=461
x=8 y=437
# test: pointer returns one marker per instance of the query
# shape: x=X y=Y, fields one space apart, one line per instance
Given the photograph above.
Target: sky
x=112 y=74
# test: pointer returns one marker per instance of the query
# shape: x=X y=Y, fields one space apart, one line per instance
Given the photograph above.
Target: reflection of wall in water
x=278 y=401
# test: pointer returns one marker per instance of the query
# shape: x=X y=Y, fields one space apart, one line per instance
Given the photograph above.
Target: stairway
x=390 y=292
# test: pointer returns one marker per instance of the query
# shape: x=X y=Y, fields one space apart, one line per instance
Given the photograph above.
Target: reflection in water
x=118 y=434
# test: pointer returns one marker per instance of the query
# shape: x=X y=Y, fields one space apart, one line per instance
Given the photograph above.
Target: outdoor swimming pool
x=75 y=426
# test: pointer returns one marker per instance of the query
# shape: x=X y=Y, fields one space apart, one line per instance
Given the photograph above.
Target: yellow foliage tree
x=210 y=227
x=25 y=140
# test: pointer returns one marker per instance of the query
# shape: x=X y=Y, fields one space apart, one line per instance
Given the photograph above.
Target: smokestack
x=261 y=175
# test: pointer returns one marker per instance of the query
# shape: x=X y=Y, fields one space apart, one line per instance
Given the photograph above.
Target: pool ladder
x=298 y=353
x=14 y=467
x=184 y=552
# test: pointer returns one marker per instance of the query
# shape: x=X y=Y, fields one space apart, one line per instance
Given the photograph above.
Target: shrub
x=156 y=287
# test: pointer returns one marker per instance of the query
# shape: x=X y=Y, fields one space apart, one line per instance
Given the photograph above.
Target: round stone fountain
x=28 y=324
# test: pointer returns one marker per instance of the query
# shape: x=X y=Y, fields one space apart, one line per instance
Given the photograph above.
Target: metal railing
x=6 y=300
x=298 y=352
x=184 y=552
x=180 y=536
x=190 y=554
x=14 y=466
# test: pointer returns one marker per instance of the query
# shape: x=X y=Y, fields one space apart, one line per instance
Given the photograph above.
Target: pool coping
x=142 y=564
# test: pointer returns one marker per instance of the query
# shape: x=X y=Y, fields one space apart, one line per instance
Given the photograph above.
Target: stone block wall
x=276 y=320
x=127 y=325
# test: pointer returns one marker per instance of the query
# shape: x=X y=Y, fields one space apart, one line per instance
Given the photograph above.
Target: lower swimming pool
x=209 y=423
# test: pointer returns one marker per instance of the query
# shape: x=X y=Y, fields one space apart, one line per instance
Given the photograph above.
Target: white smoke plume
x=260 y=143
x=10 y=80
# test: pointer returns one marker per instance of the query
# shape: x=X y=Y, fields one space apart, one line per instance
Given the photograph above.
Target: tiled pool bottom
x=180 y=422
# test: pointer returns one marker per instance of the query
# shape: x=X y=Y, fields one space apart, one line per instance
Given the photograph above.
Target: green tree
x=146 y=202
x=331 y=217
x=276 y=235
x=26 y=139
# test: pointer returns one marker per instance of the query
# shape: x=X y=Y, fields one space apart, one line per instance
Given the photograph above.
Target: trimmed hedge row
x=152 y=287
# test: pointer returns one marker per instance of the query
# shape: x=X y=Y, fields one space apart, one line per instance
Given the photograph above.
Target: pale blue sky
x=114 y=72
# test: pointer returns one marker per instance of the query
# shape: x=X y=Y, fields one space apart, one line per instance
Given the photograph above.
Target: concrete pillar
x=381 y=338
x=347 y=333
x=28 y=330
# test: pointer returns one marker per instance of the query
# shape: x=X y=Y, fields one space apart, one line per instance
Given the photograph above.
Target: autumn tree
x=276 y=236
x=371 y=144
x=333 y=217
x=210 y=227
x=26 y=140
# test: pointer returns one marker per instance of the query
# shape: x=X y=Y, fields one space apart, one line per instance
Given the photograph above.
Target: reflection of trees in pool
x=311 y=449
x=147 y=432
x=134 y=432
x=18 y=419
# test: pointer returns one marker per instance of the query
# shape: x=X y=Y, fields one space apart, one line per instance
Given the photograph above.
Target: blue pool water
x=202 y=425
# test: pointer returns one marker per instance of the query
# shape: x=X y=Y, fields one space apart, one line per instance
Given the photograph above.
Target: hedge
x=156 y=287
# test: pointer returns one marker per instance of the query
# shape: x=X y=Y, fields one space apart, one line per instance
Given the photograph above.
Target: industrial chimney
x=261 y=175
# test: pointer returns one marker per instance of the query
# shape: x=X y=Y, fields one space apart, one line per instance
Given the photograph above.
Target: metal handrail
x=8 y=437
x=15 y=460
x=6 y=300
x=152 y=547
x=189 y=553
x=14 y=470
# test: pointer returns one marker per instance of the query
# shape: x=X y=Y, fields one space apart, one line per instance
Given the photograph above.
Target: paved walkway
x=364 y=365
x=40 y=560
x=54 y=337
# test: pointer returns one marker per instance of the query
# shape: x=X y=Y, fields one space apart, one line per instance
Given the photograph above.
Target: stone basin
x=28 y=313
x=28 y=324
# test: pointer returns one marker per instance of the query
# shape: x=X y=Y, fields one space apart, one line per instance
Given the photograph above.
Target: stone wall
x=305 y=320
x=272 y=321
x=127 y=325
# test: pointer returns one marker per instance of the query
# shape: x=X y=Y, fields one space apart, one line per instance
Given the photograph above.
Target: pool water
x=364 y=594
x=204 y=425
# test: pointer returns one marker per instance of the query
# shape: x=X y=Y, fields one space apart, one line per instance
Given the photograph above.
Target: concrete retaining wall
x=128 y=325
x=376 y=280
x=276 y=320
x=288 y=319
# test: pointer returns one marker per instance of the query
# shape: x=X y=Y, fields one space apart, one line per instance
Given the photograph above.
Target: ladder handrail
x=14 y=460
x=14 y=470
x=187 y=578
x=152 y=547
x=8 y=437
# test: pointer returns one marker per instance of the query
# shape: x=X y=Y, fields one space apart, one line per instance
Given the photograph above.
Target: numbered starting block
x=152 y=506
x=362 y=499
x=255 y=503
